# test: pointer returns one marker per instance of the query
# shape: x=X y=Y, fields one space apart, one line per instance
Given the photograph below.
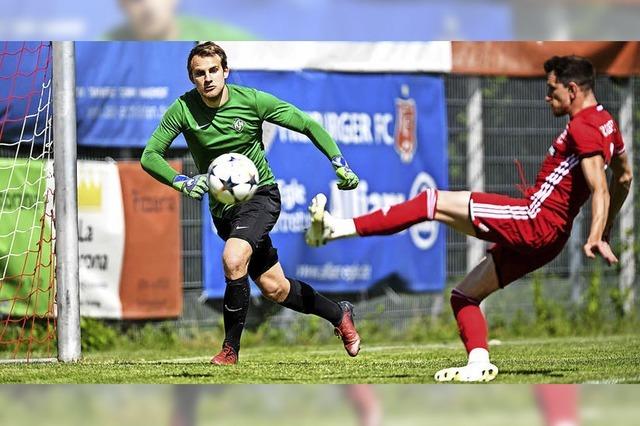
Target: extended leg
x=447 y=207
x=301 y=297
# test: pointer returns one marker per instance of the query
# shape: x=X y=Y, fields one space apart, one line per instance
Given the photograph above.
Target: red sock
x=558 y=403
x=400 y=216
x=471 y=322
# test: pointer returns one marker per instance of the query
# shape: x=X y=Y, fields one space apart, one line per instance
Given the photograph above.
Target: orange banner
x=526 y=58
x=151 y=283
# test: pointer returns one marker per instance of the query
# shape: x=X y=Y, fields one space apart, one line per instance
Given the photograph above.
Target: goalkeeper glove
x=194 y=187
x=347 y=179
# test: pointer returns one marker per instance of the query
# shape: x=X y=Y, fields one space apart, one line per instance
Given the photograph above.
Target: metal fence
x=516 y=124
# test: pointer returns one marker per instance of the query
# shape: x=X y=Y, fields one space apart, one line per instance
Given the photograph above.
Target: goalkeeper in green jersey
x=216 y=118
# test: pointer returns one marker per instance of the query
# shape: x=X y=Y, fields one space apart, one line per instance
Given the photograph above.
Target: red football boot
x=227 y=356
x=347 y=330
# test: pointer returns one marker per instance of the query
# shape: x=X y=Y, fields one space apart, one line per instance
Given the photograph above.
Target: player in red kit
x=528 y=232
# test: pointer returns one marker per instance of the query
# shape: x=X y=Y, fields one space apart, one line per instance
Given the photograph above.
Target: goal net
x=27 y=263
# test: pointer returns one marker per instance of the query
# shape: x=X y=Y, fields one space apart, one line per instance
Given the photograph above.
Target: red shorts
x=525 y=239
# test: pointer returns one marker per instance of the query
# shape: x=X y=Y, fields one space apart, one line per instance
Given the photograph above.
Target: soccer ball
x=233 y=178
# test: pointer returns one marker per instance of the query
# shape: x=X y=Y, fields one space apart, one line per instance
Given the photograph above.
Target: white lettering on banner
x=360 y=201
x=348 y=128
x=101 y=92
x=123 y=92
x=382 y=123
x=160 y=92
x=127 y=92
x=293 y=195
x=333 y=272
x=292 y=222
x=134 y=111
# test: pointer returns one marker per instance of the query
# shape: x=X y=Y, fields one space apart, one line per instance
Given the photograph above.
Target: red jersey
x=560 y=186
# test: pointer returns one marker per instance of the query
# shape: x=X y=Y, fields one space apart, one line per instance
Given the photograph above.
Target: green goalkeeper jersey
x=236 y=126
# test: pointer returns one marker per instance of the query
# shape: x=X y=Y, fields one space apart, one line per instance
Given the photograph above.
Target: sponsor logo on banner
x=361 y=201
x=151 y=285
x=405 y=135
x=101 y=238
x=89 y=194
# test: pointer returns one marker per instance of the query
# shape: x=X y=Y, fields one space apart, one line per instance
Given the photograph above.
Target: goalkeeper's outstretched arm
x=153 y=162
x=153 y=157
x=284 y=114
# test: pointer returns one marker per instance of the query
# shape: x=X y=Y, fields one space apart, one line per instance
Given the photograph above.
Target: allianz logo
x=353 y=203
x=361 y=201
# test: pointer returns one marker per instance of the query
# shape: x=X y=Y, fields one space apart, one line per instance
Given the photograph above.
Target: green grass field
x=613 y=359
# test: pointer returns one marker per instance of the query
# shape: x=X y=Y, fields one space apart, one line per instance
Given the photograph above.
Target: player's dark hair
x=208 y=48
x=572 y=68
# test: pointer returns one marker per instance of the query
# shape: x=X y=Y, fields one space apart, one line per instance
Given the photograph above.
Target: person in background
x=160 y=20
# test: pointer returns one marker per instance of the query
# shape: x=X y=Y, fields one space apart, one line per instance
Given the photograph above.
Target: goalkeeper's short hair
x=208 y=48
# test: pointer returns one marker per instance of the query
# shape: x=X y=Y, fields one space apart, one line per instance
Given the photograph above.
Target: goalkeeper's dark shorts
x=252 y=221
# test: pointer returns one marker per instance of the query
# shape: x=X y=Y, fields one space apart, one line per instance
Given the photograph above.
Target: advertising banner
x=151 y=283
x=26 y=235
x=101 y=233
x=123 y=88
x=392 y=129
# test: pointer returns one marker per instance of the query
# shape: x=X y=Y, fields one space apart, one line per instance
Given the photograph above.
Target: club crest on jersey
x=238 y=124
x=405 y=133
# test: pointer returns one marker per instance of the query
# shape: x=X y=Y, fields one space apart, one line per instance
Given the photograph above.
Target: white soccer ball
x=233 y=178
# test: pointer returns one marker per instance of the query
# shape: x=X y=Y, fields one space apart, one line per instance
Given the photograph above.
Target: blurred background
x=309 y=405
x=321 y=20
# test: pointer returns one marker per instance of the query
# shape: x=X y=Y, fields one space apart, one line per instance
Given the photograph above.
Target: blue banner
x=124 y=88
x=392 y=129
x=25 y=93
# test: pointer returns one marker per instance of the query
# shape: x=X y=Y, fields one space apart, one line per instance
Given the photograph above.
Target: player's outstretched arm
x=593 y=170
x=154 y=163
x=618 y=188
x=286 y=115
x=153 y=157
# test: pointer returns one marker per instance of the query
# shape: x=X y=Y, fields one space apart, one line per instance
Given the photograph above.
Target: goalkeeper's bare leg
x=452 y=209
